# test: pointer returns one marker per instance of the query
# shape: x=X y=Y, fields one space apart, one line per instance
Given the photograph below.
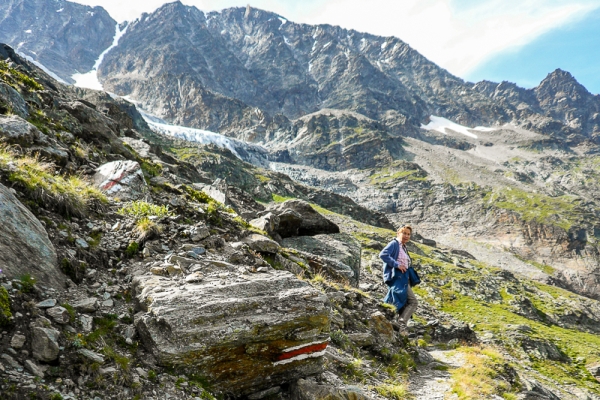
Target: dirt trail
x=435 y=384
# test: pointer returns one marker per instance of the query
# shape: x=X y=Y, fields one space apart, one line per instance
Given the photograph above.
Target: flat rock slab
x=24 y=244
x=244 y=332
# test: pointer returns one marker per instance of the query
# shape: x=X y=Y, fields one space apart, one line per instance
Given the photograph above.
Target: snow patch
x=283 y=22
x=440 y=124
x=61 y=10
x=286 y=40
x=90 y=79
x=91 y=13
x=28 y=31
x=383 y=46
x=223 y=32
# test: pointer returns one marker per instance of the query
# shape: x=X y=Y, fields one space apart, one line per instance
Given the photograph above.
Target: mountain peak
x=562 y=79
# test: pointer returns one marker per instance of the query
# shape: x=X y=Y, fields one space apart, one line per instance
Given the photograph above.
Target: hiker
x=396 y=263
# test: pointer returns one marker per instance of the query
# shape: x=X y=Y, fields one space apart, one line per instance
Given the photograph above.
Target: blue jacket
x=389 y=255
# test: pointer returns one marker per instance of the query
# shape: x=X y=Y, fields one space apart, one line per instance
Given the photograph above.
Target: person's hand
x=402 y=268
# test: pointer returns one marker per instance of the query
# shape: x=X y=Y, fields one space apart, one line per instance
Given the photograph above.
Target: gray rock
x=82 y=244
x=44 y=344
x=24 y=244
x=305 y=389
x=48 y=303
x=108 y=371
x=381 y=326
x=17 y=341
x=34 y=368
x=142 y=372
x=10 y=361
x=91 y=355
x=122 y=179
x=338 y=254
x=129 y=332
x=269 y=313
x=87 y=305
x=261 y=243
x=264 y=393
x=268 y=223
x=201 y=232
x=87 y=322
x=423 y=356
x=361 y=339
x=194 y=277
x=593 y=368
x=218 y=191
x=12 y=98
x=180 y=261
x=311 y=222
x=543 y=349
x=537 y=391
x=15 y=130
x=60 y=315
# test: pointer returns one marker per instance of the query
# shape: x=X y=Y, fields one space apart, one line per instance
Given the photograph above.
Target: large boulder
x=338 y=254
x=298 y=218
x=122 y=179
x=243 y=331
x=15 y=130
x=24 y=244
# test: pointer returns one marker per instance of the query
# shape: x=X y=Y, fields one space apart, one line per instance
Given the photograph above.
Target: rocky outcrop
x=337 y=255
x=298 y=218
x=65 y=37
x=24 y=244
x=243 y=331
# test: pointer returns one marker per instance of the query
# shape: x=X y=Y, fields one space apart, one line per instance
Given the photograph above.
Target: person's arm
x=386 y=257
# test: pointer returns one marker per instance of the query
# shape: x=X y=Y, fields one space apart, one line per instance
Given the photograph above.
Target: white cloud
x=456 y=37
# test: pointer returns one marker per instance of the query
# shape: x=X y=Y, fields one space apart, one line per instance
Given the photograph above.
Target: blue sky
x=516 y=40
x=574 y=48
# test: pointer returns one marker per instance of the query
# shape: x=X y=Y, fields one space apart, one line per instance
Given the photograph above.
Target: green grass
x=5 y=313
x=545 y=268
x=558 y=211
x=479 y=377
x=27 y=282
x=142 y=209
x=280 y=199
x=70 y=196
x=386 y=176
x=17 y=79
x=394 y=391
x=262 y=178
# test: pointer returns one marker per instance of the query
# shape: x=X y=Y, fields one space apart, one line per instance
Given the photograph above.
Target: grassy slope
x=442 y=288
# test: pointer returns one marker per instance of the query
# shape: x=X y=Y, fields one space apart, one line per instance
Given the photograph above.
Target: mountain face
x=65 y=37
x=245 y=72
x=193 y=295
x=344 y=110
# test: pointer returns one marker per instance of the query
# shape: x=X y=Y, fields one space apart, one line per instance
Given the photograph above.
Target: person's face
x=404 y=235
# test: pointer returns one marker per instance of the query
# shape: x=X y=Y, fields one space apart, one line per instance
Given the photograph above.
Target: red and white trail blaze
x=302 y=352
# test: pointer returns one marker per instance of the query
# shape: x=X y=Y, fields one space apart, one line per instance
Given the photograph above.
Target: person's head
x=404 y=233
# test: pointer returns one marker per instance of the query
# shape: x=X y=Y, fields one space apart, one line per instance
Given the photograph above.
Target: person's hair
x=404 y=227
